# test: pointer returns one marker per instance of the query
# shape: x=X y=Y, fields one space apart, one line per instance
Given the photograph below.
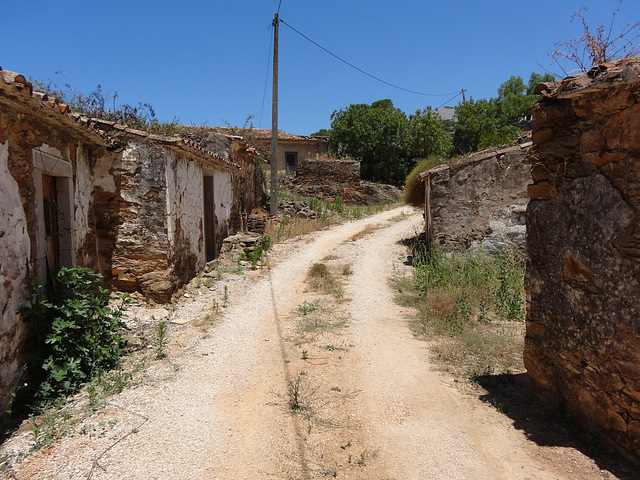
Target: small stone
x=180 y=321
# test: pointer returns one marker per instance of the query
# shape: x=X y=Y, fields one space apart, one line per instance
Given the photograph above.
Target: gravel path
x=370 y=404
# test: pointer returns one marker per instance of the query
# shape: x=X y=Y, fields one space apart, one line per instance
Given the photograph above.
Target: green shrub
x=413 y=188
x=78 y=333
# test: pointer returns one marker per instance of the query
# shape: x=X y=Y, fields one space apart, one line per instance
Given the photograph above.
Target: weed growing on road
x=294 y=393
x=473 y=302
x=321 y=279
x=305 y=308
x=161 y=333
x=313 y=319
x=368 y=230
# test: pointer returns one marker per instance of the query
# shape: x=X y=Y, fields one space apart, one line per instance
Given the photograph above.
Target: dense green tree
x=514 y=86
x=537 y=78
x=371 y=134
x=513 y=103
x=485 y=123
x=323 y=132
x=481 y=124
x=427 y=135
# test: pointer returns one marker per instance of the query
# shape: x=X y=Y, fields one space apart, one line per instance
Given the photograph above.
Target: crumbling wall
x=184 y=216
x=582 y=280
x=479 y=202
x=223 y=200
x=327 y=178
x=15 y=252
x=37 y=141
x=313 y=171
x=140 y=259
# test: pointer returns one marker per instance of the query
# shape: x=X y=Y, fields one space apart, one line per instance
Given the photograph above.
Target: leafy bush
x=78 y=333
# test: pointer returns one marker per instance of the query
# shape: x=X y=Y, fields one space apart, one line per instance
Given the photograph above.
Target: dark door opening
x=209 y=219
x=291 y=162
x=51 y=229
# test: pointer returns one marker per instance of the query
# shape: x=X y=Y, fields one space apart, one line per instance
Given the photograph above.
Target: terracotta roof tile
x=259 y=133
x=106 y=131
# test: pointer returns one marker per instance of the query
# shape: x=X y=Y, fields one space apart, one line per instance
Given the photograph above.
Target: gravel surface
x=289 y=382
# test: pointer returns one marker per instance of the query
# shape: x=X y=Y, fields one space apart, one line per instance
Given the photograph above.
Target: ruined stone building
x=146 y=211
x=479 y=201
x=292 y=149
x=582 y=346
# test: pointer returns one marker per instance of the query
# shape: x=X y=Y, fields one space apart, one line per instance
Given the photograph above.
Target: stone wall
x=479 y=202
x=128 y=204
x=318 y=172
x=582 y=345
x=161 y=237
x=141 y=254
x=327 y=178
x=38 y=140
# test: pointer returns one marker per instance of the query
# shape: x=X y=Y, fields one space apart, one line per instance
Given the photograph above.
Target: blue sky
x=206 y=62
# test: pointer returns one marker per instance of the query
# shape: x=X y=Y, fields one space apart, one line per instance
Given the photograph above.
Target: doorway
x=209 y=218
x=291 y=162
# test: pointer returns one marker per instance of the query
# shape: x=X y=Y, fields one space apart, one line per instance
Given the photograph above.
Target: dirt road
x=295 y=383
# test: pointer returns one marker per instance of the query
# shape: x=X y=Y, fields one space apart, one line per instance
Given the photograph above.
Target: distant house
x=146 y=211
x=446 y=113
x=292 y=149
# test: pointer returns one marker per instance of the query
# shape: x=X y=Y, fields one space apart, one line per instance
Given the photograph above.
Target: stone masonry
x=479 y=202
x=582 y=346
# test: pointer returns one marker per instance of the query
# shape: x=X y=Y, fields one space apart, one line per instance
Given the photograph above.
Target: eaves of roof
x=262 y=134
x=475 y=158
x=17 y=94
x=185 y=146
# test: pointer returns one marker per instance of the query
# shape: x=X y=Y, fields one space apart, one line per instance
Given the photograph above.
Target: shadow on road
x=550 y=426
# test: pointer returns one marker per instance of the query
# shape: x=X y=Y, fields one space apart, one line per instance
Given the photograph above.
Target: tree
x=481 y=124
x=323 y=132
x=535 y=79
x=514 y=86
x=427 y=135
x=513 y=101
x=371 y=134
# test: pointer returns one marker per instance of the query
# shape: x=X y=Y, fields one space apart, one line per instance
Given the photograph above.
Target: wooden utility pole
x=464 y=100
x=273 y=200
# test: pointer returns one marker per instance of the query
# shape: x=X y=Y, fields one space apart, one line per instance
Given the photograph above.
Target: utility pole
x=273 y=201
x=464 y=100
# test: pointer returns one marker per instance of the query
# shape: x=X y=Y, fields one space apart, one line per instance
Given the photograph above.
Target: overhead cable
x=266 y=77
x=364 y=72
x=453 y=98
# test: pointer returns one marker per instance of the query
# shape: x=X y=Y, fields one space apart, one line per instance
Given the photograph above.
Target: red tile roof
x=15 y=87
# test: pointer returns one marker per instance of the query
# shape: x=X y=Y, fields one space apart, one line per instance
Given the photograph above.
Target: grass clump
x=323 y=280
x=414 y=188
x=472 y=303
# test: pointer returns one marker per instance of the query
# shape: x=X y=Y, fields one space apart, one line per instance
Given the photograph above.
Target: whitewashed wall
x=185 y=205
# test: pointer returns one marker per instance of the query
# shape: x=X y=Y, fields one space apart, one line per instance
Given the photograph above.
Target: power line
x=453 y=98
x=364 y=72
x=266 y=75
x=279 y=5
